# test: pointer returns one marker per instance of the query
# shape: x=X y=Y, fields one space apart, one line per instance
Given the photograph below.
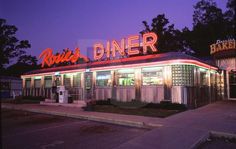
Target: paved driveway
x=31 y=131
x=182 y=130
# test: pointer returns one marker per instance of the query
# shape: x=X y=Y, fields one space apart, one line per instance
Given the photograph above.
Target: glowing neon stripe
x=169 y=62
x=149 y=64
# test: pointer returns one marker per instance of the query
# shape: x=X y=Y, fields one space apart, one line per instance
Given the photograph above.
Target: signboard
x=222 y=46
x=148 y=40
x=48 y=58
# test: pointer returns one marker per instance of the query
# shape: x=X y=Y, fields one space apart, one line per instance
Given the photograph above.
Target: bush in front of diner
x=104 y=102
x=167 y=105
x=134 y=104
x=26 y=99
x=89 y=105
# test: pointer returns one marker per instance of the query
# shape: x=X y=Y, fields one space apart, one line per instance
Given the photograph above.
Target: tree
x=10 y=46
x=169 y=38
x=209 y=25
x=28 y=60
x=230 y=16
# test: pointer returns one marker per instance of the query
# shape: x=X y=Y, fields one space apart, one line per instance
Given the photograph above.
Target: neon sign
x=222 y=45
x=99 y=51
x=49 y=59
x=149 y=40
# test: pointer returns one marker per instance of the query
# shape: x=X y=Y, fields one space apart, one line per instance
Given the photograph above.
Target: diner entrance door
x=88 y=77
x=232 y=85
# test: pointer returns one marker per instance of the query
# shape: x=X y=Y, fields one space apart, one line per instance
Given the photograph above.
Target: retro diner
x=125 y=71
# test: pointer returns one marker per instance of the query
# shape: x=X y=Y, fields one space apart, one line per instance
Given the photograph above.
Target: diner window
x=213 y=78
x=37 y=83
x=67 y=80
x=203 y=77
x=152 y=76
x=48 y=82
x=125 y=77
x=28 y=83
x=182 y=75
x=103 y=78
x=77 y=80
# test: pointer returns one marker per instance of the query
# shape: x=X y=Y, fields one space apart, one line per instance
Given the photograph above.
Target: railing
x=76 y=93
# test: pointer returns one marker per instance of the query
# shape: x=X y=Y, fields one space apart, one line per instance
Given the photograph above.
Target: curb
x=213 y=134
x=91 y=118
x=222 y=135
x=200 y=141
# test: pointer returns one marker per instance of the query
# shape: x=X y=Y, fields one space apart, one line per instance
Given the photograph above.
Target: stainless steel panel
x=125 y=93
x=152 y=94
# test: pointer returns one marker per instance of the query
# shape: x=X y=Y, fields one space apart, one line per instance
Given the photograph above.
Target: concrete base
x=79 y=104
x=50 y=101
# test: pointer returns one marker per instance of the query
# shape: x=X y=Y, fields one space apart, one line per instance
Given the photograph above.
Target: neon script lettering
x=49 y=59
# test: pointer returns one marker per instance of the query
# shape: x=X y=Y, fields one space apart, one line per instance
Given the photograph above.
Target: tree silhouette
x=209 y=25
x=10 y=46
x=169 y=38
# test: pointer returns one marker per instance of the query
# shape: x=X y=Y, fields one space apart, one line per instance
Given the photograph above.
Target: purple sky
x=60 y=24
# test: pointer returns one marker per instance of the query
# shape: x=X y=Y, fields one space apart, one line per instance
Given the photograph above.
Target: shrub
x=89 y=105
x=103 y=102
x=37 y=98
x=166 y=105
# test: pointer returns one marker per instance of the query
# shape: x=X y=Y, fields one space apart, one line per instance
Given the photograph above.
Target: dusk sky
x=62 y=24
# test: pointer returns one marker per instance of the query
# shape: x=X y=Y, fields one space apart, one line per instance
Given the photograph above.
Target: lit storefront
x=173 y=76
x=224 y=54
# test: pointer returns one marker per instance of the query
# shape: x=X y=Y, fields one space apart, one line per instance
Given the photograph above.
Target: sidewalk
x=75 y=112
x=186 y=129
x=182 y=130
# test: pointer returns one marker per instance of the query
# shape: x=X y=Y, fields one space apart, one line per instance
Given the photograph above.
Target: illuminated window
x=152 y=76
x=77 y=80
x=67 y=79
x=103 y=78
x=28 y=82
x=125 y=77
x=213 y=78
x=37 y=83
x=182 y=75
x=48 y=82
x=203 y=77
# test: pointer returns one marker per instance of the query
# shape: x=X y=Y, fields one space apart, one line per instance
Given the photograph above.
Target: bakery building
x=224 y=55
x=125 y=72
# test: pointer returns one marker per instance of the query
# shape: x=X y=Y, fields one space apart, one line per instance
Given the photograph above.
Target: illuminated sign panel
x=222 y=46
x=99 y=50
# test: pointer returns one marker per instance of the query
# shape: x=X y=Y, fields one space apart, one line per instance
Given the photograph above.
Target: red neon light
x=49 y=59
x=98 y=51
x=82 y=66
x=149 y=43
x=149 y=40
x=132 y=45
x=121 y=48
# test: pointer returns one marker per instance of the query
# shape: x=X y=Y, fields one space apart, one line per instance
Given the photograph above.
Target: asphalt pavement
x=28 y=130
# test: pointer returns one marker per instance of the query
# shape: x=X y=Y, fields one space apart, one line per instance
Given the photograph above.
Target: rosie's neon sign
x=132 y=46
x=48 y=58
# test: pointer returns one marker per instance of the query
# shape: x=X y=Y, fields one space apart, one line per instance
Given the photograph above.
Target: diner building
x=172 y=76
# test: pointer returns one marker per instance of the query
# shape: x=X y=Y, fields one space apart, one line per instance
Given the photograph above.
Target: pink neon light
x=169 y=62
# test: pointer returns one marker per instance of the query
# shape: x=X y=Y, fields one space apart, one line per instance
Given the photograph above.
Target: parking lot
x=27 y=130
